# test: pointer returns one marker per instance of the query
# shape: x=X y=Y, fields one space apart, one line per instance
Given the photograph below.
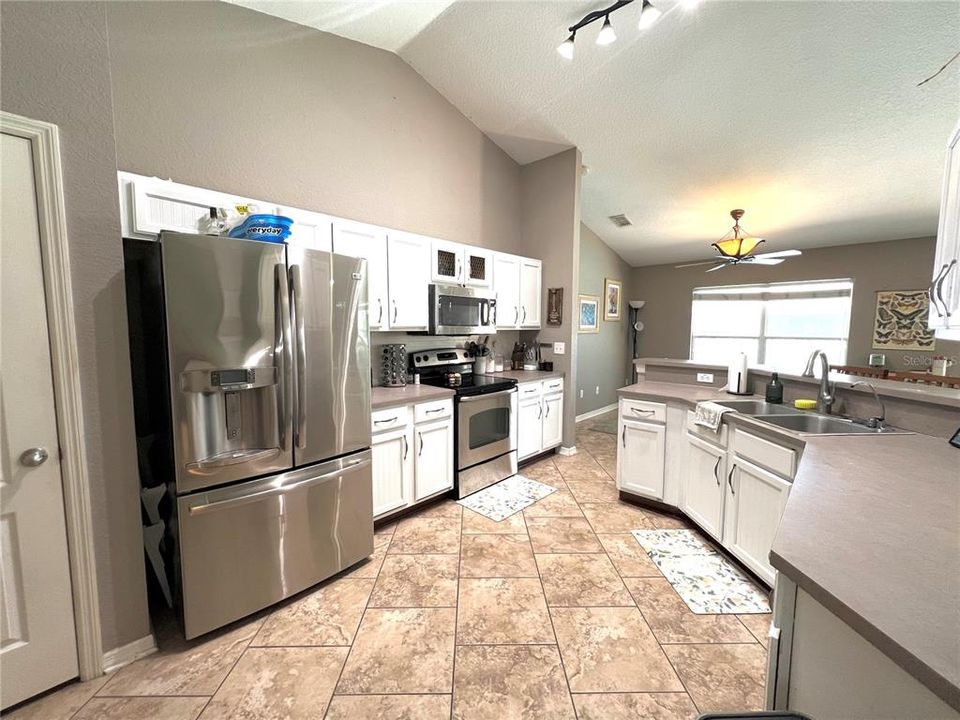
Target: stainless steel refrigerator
x=251 y=368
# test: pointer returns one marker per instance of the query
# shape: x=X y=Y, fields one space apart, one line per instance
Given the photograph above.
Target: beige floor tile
x=401 y=651
x=61 y=704
x=630 y=559
x=142 y=708
x=444 y=508
x=581 y=580
x=495 y=611
x=662 y=521
x=633 y=706
x=618 y=517
x=328 y=615
x=759 y=625
x=721 y=678
x=389 y=707
x=559 y=504
x=386 y=529
x=432 y=535
x=545 y=472
x=289 y=683
x=196 y=667
x=497 y=556
x=477 y=524
x=611 y=650
x=417 y=581
x=562 y=535
x=673 y=622
x=370 y=567
x=516 y=682
x=591 y=491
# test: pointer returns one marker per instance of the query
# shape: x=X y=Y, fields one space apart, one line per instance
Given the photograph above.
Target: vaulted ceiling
x=806 y=114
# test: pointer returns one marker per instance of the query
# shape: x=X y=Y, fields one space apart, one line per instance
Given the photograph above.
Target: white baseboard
x=595 y=413
x=126 y=654
x=567 y=450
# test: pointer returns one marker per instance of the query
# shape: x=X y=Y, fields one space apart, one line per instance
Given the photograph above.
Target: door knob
x=34 y=456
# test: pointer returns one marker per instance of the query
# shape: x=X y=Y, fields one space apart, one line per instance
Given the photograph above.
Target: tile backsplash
x=501 y=342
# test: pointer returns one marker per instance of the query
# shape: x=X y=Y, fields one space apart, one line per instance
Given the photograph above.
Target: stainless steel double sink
x=800 y=421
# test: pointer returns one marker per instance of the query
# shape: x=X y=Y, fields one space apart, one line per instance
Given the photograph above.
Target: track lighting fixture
x=607 y=35
x=649 y=14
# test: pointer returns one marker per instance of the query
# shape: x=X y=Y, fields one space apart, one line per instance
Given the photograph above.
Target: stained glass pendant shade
x=737 y=243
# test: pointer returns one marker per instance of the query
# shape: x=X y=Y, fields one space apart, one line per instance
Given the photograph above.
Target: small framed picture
x=589 y=314
x=612 y=299
x=555 y=306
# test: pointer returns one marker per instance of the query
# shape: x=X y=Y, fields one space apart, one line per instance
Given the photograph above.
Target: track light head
x=607 y=35
x=648 y=15
x=566 y=47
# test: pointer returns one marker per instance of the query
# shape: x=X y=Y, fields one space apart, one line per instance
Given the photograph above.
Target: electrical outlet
x=597 y=391
x=559 y=348
x=705 y=377
x=581 y=392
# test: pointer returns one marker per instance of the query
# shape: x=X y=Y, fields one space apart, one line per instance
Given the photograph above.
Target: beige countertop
x=871 y=530
x=384 y=397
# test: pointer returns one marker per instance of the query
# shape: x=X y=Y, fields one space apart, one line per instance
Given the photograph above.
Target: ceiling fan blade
x=763 y=261
x=718 y=266
x=779 y=254
x=702 y=262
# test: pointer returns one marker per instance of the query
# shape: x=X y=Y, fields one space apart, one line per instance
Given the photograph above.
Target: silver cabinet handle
x=547 y=405
x=623 y=436
x=32 y=457
x=296 y=292
x=730 y=479
x=405 y=447
x=943 y=278
x=459 y=268
x=384 y=422
x=394 y=311
x=435 y=410
x=540 y=406
x=380 y=314
x=638 y=411
x=716 y=470
x=524 y=314
x=420 y=434
x=932 y=291
x=284 y=345
x=516 y=314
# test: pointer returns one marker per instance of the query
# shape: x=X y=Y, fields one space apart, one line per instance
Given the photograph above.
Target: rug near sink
x=708 y=583
x=507 y=497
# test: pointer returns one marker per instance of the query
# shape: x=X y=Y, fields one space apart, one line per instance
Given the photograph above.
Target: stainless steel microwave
x=456 y=310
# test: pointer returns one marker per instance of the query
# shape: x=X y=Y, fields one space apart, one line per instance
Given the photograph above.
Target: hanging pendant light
x=566 y=47
x=648 y=15
x=607 y=34
x=737 y=243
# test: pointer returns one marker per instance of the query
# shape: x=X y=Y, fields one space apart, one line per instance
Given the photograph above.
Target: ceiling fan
x=737 y=247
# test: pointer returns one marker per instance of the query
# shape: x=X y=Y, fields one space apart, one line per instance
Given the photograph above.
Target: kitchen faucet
x=825 y=398
x=875 y=422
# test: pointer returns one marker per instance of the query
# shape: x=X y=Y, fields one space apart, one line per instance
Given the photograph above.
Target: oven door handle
x=474 y=398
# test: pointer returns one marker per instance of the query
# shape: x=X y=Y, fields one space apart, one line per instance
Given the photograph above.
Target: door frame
x=55 y=259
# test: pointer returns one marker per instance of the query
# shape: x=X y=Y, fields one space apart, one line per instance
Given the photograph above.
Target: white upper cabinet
x=477 y=266
x=506 y=284
x=446 y=262
x=408 y=276
x=310 y=230
x=945 y=285
x=530 y=293
x=370 y=242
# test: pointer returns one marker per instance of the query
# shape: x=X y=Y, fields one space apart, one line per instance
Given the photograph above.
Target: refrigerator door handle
x=296 y=292
x=284 y=401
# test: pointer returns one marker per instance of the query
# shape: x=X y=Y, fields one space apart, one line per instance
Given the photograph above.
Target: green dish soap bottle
x=774 y=389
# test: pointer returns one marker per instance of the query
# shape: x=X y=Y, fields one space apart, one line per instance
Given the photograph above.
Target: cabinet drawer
x=435 y=410
x=717 y=438
x=643 y=410
x=389 y=418
x=552 y=385
x=765 y=453
x=529 y=390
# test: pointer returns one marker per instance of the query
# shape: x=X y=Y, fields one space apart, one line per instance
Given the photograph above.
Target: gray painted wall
x=55 y=68
x=550 y=222
x=896 y=265
x=603 y=358
x=304 y=118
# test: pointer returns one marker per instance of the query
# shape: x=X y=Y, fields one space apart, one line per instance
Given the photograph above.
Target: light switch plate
x=559 y=348
x=705 y=377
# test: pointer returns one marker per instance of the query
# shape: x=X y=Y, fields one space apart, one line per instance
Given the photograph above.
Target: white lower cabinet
x=434 y=462
x=552 y=420
x=539 y=417
x=702 y=496
x=411 y=460
x=755 y=499
x=529 y=426
x=640 y=459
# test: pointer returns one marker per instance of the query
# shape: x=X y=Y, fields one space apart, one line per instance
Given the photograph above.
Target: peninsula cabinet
x=641 y=433
x=703 y=485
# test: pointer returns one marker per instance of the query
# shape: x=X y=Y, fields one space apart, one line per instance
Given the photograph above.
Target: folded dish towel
x=709 y=414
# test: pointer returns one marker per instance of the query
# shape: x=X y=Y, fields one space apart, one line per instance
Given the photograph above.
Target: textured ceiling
x=806 y=114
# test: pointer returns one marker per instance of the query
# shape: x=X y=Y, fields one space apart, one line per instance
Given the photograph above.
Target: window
x=777 y=325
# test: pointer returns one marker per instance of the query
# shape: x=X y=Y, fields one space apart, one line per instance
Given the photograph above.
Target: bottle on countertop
x=774 y=389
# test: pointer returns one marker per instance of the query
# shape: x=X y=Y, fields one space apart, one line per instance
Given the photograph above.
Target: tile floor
x=555 y=612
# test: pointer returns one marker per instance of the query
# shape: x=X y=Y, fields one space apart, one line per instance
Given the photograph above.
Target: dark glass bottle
x=774 y=389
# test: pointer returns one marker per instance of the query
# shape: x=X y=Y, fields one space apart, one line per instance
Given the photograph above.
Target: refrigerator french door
x=268 y=406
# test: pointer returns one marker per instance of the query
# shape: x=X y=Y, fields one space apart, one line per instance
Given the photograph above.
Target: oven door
x=485 y=426
x=461 y=311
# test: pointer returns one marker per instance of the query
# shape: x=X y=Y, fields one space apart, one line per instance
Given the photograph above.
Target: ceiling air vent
x=620 y=220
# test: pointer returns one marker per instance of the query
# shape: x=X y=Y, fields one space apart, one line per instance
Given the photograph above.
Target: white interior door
x=38 y=647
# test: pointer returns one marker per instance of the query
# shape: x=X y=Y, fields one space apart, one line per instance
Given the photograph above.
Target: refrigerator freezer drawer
x=245 y=547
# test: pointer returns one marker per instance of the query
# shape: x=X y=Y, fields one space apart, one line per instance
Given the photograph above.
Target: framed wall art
x=555 y=306
x=612 y=299
x=901 y=321
x=588 y=314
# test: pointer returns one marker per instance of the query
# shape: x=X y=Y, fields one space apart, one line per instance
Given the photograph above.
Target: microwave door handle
x=284 y=410
x=296 y=292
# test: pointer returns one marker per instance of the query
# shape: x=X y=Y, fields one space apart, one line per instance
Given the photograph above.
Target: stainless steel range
x=485 y=426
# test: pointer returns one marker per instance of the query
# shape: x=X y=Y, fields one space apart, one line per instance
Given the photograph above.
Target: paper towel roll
x=737 y=375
